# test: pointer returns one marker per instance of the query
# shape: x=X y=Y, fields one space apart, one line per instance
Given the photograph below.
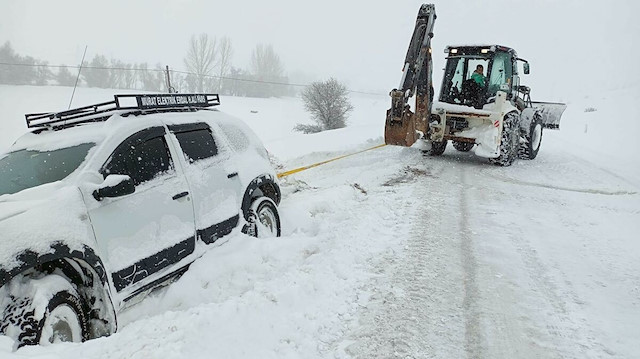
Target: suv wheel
x=53 y=314
x=64 y=320
x=264 y=213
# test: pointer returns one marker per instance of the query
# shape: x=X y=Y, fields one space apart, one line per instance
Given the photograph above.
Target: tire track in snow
x=541 y=304
x=560 y=188
x=424 y=303
x=474 y=338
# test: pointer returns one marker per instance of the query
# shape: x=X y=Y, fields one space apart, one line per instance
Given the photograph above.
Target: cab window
x=501 y=72
x=458 y=75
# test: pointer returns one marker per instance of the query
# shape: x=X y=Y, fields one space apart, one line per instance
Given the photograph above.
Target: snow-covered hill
x=393 y=254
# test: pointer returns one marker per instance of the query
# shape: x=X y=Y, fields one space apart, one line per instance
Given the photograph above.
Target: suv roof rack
x=129 y=104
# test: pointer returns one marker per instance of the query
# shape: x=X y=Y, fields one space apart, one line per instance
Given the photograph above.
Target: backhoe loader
x=492 y=114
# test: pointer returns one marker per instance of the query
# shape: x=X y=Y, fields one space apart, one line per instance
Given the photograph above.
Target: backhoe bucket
x=400 y=131
x=550 y=112
x=402 y=126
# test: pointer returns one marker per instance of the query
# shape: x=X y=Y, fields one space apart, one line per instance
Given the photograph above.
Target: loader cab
x=500 y=73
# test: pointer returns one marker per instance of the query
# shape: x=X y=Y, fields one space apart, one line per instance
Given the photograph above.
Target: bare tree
x=43 y=73
x=151 y=79
x=224 y=63
x=16 y=75
x=265 y=62
x=116 y=74
x=97 y=73
x=266 y=66
x=129 y=79
x=328 y=102
x=201 y=58
x=65 y=77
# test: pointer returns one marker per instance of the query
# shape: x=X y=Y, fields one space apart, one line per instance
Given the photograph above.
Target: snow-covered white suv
x=102 y=204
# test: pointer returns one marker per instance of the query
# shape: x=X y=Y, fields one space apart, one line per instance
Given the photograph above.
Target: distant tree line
x=33 y=71
x=208 y=64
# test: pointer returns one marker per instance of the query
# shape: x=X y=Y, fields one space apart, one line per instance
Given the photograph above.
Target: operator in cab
x=478 y=75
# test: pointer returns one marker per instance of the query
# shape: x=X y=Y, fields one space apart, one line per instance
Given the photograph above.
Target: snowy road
x=528 y=262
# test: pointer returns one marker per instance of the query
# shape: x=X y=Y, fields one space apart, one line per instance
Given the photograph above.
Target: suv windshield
x=24 y=169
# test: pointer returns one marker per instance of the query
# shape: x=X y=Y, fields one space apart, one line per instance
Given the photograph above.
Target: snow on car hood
x=35 y=219
x=14 y=204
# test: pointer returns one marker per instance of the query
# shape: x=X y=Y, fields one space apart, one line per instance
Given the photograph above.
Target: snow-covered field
x=392 y=254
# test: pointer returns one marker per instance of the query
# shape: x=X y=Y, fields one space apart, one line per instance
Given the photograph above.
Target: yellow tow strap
x=283 y=174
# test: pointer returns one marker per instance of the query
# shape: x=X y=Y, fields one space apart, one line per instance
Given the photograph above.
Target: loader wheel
x=462 y=146
x=509 y=142
x=437 y=148
x=532 y=138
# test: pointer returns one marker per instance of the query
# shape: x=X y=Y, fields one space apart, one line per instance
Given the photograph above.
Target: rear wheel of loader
x=509 y=142
x=462 y=146
x=532 y=139
x=437 y=148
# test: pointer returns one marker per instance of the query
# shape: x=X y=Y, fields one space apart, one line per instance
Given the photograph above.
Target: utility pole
x=168 y=77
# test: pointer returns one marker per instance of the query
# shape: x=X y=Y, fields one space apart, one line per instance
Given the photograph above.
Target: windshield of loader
x=464 y=75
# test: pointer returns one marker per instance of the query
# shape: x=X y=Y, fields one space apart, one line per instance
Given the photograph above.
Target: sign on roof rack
x=170 y=100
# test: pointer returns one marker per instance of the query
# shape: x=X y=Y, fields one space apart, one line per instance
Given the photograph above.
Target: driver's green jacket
x=478 y=78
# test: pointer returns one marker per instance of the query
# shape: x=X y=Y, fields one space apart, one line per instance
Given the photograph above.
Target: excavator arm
x=402 y=126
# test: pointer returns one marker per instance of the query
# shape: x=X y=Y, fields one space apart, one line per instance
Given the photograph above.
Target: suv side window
x=197 y=144
x=142 y=157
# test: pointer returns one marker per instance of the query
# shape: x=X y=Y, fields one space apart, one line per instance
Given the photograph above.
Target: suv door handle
x=180 y=195
x=231 y=175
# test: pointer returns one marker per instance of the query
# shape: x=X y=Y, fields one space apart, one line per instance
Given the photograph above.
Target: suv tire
x=264 y=213
x=62 y=319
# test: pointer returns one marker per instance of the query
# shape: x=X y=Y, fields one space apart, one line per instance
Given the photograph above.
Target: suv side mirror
x=525 y=66
x=114 y=186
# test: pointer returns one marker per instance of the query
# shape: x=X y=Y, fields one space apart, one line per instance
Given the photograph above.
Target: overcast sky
x=572 y=45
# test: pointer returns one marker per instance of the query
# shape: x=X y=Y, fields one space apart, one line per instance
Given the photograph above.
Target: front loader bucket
x=550 y=112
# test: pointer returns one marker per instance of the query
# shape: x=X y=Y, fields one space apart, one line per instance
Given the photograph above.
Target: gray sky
x=572 y=45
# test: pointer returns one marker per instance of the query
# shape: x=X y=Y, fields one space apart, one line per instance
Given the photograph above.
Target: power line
x=178 y=72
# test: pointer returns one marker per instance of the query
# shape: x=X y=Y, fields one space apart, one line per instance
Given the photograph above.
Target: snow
x=461 y=109
x=70 y=226
x=392 y=254
x=487 y=140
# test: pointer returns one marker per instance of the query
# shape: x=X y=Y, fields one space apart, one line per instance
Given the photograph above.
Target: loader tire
x=532 y=138
x=509 y=142
x=437 y=148
x=462 y=146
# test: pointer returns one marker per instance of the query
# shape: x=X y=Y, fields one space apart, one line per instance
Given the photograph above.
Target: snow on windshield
x=54 y=140
x=24 y=169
